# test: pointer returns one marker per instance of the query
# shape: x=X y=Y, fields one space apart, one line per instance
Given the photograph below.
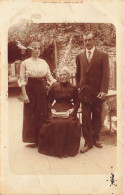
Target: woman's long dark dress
x=60 y=136
x=33 y=75
x=35 y=112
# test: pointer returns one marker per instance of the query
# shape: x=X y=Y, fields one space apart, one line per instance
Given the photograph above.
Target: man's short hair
x=88 y=33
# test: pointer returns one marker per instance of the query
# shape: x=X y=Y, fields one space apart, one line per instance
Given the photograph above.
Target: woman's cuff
x=20 y=83
x=51 y=82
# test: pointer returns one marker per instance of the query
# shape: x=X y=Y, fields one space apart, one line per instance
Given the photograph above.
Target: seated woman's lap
x=60 y=135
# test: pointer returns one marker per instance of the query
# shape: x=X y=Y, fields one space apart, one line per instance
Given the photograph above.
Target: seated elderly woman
x=60 y=135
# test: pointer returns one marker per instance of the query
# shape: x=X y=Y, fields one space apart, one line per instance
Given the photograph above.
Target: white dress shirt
x=35 y=68
x=92 y=52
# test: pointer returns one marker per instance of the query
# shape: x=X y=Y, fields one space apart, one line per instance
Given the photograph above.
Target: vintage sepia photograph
x=61 y=102
x=61 y=98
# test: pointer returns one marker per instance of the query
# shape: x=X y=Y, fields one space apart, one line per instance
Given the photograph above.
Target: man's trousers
x=91 y=121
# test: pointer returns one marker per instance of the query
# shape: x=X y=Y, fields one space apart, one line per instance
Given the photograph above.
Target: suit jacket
x=94 y=77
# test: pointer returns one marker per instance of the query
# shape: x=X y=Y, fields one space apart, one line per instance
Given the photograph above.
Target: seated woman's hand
x=26 y=99
x=71 y=111
x=53 y=111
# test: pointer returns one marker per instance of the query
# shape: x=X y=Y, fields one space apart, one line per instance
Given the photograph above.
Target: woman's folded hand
x=53 y=111
x=71 y=111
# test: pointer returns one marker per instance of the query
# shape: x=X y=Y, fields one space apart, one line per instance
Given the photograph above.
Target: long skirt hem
x=60 y=137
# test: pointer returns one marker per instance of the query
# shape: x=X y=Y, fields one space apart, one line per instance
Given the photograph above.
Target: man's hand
x=101 y=95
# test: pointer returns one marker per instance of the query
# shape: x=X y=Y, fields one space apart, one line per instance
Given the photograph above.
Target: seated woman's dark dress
x=61 y=136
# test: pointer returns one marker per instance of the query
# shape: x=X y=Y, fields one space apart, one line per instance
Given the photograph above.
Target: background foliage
x=61 y=42
x=46 y=33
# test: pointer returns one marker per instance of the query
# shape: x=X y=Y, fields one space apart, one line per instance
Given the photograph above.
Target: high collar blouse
x=35 y=68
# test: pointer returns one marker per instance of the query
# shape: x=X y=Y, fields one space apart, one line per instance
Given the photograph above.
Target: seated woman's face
x=63 y=76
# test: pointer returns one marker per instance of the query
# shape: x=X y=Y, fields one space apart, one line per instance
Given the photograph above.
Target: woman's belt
x=37 y=78
x=36 y=81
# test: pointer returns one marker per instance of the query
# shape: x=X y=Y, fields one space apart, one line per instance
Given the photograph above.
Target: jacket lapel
x=85 y=61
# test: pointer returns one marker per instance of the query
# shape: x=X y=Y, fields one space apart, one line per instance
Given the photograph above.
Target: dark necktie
x=89 y=56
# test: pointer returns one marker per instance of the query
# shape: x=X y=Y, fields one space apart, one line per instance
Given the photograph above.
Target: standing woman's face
x=35 y=51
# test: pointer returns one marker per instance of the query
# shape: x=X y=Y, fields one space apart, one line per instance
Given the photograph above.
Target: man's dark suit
x=92 y=79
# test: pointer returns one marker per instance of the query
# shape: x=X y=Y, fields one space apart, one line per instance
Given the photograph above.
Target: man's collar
x=92 y=50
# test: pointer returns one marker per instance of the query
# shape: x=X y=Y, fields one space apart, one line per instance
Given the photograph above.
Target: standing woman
x=33 y=73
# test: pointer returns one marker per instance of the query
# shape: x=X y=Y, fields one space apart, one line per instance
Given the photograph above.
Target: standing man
x=92 y=79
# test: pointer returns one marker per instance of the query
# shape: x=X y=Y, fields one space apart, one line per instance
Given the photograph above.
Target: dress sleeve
x=50 y=98
x=22 y=78
x=77 y=75
x=49 y=77
x=76 y=101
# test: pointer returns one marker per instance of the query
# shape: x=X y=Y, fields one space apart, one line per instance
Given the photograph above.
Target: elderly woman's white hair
x=65 y=69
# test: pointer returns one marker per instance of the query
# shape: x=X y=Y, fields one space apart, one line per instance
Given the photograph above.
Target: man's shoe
x=98 y=144
x=85 y=149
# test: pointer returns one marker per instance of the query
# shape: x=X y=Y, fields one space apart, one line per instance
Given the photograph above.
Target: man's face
x=88 y=41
